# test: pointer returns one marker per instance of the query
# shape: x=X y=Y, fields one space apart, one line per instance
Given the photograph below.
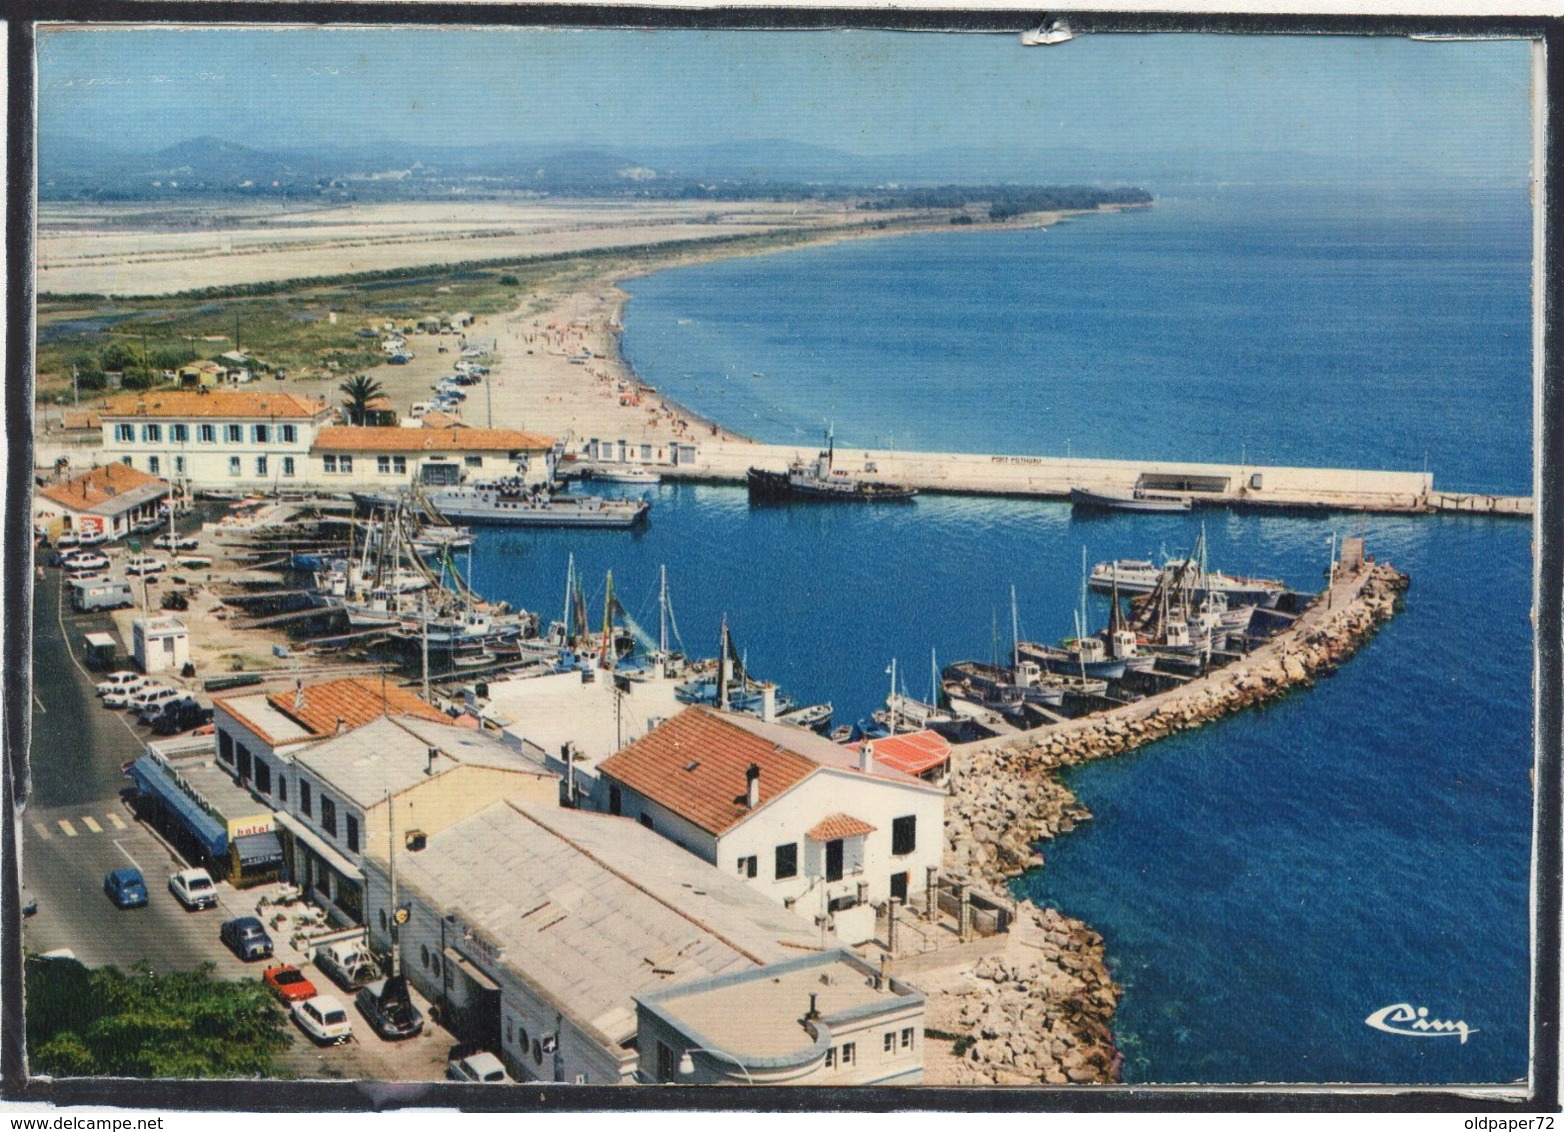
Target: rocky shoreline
x=1049 y=1021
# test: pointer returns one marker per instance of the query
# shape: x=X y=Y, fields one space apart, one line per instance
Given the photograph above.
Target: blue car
x=126 y=887
x=248 y=938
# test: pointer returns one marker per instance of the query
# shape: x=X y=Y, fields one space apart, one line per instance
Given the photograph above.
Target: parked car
x=247 y=937
x=124 y=679
x=349 y=965
x=141 y=695
x=288 y=983
x=85 y=562
x=68 y=540
x=144 y=564
x=179 y=716
x=93 y=538
x=389 y=1009
x=167 y=541
x=152 y=706
x=478 y=1068
x=323 y=1018
x=194 y=889
x=126 y=887
x=29 y=903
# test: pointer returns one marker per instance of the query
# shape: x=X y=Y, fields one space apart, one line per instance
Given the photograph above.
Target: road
x=77 y=826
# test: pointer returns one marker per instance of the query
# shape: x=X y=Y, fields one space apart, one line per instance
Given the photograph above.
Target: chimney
x=433 y=753
x=342 y=725
x=866 y=757
x=768 y=703
x=814 y=1011
x=752 y=786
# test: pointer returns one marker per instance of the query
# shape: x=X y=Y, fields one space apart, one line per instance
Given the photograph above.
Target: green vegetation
x=359 y=391
x=94 y=1023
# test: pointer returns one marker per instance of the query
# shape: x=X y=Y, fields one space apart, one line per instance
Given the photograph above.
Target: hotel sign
x=248 y=827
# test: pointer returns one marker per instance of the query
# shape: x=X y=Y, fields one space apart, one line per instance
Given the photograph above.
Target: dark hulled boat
x=822 y=480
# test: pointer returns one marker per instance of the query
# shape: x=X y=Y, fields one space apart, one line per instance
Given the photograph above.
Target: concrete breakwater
x=1006 y=797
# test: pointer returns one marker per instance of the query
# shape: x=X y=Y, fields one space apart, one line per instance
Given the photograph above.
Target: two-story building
x=534 y=928
x=214 y=438
x=824 y=831
x=353 y=457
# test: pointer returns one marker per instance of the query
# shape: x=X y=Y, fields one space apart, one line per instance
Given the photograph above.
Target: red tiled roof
x=342 y=438
x=356 y=701
x=695 y=764
x=914 y=753
x=98 y=486
x=436 y=419
x=245 y=403
x=838 y=826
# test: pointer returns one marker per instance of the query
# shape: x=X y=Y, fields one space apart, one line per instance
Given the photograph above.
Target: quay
x=1247 y=486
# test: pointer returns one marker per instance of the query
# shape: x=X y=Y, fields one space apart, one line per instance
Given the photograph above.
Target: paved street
x=77 y=826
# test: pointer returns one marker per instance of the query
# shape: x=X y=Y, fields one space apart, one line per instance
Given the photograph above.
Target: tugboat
x=821 y=479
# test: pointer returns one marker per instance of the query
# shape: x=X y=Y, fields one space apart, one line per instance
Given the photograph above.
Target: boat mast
x=606 y=653
x=423 y=621
x=933 y=680
x=662 y=611
x=891 y=700
x=570 y=583
x=722 y=667
x=1015 y=634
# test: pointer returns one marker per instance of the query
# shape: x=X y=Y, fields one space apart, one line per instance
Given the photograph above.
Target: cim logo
x=1413 y=1022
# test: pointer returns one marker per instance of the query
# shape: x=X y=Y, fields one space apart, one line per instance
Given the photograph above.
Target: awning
x=318 y=846
x=257 y=849
x=150 y=780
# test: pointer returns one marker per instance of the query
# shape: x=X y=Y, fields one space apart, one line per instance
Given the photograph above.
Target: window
x=206 y=434
x=521 y=1037
x=304 y=798
x=667 y=1065
x=287 y=466
x=383 y=465
x=849 y=1051
x=749 y=867
x=473 y=461
x=225 y=747
x=328 y=815
x=233 y=465
x=890 y=1041
x=787 y=860
x=352 y=831
x=510 y=1031
x=346 y=464
x=906 y=1038
x=904 y=835
x=154 y=464
x=833 y=859
x=263 y=776
x=282 y=789
x=615 y=800
x=399 y=465
x=260 y=465
x=152 y=433
x=179 y=465
x=329 y=463
x=830 y=1058
x=263 y=434
x=646 y=820
x=537 y=1051
x=179 y=433
x=125 y=432
x=233 y=433
x=245 y=768
x=289 y=434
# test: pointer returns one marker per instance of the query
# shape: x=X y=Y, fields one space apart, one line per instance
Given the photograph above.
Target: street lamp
x=687 y=1063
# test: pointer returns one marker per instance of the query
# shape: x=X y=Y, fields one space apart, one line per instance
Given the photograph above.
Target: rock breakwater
x=1006 y=798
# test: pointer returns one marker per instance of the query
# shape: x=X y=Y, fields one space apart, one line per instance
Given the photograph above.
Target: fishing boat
x=512 y=502
x=1140 y=576
x=1136 y=500
x=821 y=479
x=816 y=717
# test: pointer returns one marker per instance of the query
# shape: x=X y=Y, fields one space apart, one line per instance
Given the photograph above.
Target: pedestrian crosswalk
x=88 y=823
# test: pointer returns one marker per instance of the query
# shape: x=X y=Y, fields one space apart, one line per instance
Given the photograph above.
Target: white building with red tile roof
x=392 y=457
x=104 y=500
x=826 y=831
x=215 y=438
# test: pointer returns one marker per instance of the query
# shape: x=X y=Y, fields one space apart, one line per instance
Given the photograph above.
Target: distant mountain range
x=74 y=168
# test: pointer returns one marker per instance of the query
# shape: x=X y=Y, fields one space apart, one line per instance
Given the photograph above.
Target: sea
x=1265 y=885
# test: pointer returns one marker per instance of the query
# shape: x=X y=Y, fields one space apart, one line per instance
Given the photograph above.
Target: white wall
x=207 y=464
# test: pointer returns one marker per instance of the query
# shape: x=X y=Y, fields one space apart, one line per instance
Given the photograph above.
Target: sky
x=1458 y=105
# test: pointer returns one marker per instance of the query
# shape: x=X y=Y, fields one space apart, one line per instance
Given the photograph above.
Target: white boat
x=513 y=503
x=632 y=475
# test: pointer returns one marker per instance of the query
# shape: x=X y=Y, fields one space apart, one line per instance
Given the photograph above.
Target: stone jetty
x=1047 y=1019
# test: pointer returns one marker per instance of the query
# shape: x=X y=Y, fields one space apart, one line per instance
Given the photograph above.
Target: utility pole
x=76 y=399
x=423 y=617
x=396 y=911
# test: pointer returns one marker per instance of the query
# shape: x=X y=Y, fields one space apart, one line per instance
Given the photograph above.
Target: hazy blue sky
x=1461 y=104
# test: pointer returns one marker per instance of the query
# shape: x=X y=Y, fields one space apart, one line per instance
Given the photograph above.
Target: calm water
x=1267 y=883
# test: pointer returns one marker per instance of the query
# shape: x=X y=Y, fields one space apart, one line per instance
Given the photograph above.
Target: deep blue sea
x=1267 y=883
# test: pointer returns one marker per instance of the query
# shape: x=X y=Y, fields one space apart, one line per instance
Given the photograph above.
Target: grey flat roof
x=392 y=754
x=594 y=909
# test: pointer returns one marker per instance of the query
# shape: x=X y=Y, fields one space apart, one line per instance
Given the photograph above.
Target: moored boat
x=821 y=479
x=1102 y=499
x=513 y=503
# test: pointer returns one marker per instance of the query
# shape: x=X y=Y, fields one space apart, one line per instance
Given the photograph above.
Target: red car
x=289 y=983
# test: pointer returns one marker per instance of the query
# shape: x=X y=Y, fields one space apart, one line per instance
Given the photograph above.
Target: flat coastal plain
x=148 y=249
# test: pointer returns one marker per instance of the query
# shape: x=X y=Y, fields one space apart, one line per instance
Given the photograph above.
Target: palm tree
x=360 y=391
